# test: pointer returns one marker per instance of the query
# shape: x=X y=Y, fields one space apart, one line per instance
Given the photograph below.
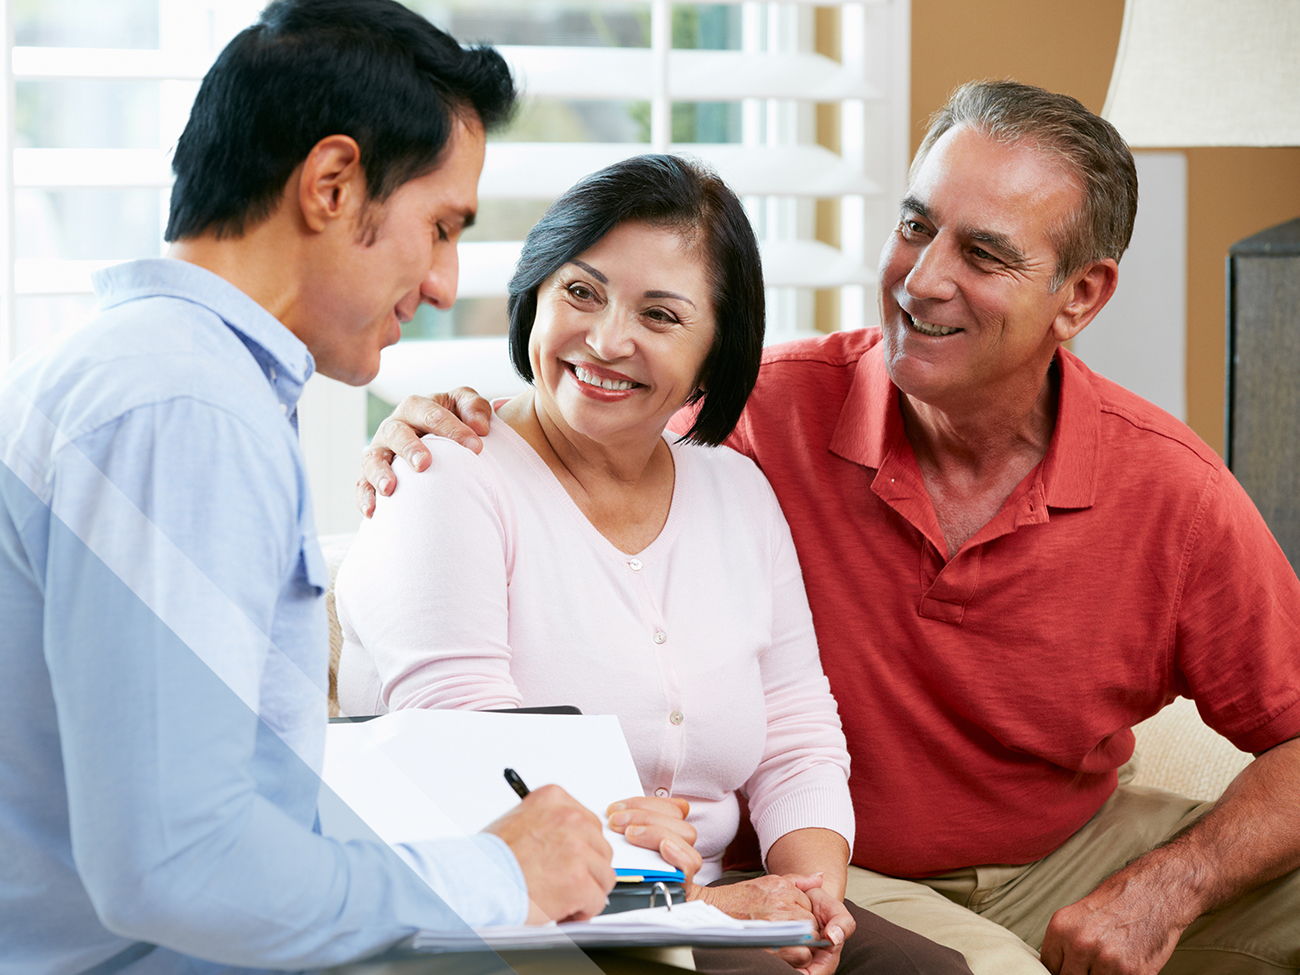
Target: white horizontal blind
x=6 y=192
x=769 y=68
x=777 y=83
x=764 y=72
x=87 y=138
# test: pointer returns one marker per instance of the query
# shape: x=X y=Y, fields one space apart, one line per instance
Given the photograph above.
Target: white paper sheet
x=427 y=774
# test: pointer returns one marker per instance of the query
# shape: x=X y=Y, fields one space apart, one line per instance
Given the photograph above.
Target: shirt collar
x=871 y=423
x=870 y=428
x=284 y=358
x=1070 y=467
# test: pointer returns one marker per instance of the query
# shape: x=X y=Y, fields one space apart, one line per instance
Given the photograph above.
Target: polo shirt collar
x=1070 y=467
x=870 y=425
x=870 y=428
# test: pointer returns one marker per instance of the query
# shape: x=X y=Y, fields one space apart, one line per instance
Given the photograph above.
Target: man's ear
x=331 y=182
x=1087 y=292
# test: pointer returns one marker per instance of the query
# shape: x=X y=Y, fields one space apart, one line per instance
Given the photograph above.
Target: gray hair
x=1087 y=144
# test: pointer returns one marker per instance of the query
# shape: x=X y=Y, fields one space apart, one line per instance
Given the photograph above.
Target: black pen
x=516 y=783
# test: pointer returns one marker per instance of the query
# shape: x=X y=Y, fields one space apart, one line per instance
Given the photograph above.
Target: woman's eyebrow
x=590 y=270
x=669 y=294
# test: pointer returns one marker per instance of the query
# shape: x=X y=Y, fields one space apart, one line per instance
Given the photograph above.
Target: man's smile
x=928 y=328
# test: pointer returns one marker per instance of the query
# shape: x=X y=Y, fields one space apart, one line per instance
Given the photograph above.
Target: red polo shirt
x=988 y=698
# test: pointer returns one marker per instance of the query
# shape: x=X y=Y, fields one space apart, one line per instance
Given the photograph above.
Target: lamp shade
x=1207 y=73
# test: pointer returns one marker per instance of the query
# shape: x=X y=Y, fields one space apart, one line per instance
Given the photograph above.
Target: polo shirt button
x=661 y=636
x=634 y=565
x=661 y=793
x=677 y=717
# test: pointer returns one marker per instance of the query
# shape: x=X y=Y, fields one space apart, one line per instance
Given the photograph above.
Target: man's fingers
x=377 y=468
x=1051 y=954
x=562 y=853
x=400 y=432
x=472 y=408
x=376 y=477
x=461 y=415
x=365 y=498
x=400 y=437
x=592 y=894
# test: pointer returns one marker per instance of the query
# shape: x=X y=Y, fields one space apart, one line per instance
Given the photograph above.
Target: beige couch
x=1175 y=750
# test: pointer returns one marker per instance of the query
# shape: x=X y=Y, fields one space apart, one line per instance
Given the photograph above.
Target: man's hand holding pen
x=562 y=853
x=564 y=879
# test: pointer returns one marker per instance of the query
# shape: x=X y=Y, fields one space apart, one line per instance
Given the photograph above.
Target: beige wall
x=1071 y=48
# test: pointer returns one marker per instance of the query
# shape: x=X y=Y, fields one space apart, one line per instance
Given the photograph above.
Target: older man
x=162 y=686
x=1011 y=562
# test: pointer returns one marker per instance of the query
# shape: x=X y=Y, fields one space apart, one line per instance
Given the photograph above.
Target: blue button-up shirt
x=163 y=671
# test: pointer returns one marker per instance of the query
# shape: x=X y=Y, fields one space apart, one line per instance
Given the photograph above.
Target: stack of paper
x=692 y=923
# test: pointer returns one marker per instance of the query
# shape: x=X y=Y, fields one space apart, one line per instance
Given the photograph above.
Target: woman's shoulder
x=724 y=470
x=721 y=459
x=499 y=458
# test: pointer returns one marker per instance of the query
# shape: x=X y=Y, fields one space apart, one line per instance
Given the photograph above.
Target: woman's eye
x=661 y=315
x=581 y=292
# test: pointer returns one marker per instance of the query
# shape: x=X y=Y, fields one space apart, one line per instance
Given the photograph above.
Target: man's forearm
x=1132 y=921
x=1249 y=837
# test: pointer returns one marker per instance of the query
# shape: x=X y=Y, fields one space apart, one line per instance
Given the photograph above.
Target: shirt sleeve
x=424 y=587
x=802 y=780
x=1238 y=621
x=173 y=534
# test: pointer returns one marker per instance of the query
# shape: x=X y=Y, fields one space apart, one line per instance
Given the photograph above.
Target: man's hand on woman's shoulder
x=461 y=415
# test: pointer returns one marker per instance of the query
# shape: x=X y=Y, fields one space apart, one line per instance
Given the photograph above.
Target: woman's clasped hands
x=790 y=897
x=660 y=824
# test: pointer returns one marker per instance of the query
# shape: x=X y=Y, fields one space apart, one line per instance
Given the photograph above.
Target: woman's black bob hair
x=672 y=192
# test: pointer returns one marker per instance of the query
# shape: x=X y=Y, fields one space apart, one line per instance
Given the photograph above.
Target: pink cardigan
x=480 y=584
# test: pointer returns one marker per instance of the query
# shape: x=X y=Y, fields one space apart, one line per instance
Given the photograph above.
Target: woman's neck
x=624 y=489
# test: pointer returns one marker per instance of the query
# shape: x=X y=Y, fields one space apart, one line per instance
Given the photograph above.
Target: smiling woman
x=700 y=238
x=586 y=558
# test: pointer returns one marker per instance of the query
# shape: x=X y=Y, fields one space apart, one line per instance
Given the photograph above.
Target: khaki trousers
x=997 y=915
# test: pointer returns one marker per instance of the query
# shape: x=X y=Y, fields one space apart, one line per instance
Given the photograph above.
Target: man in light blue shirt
x=162 y=683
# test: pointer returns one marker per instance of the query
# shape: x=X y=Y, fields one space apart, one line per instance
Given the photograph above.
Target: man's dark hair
x=664 y=191
x=1086 y=143
x=308 y=69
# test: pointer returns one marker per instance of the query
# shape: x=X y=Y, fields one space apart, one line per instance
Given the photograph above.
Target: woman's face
x=621 y=334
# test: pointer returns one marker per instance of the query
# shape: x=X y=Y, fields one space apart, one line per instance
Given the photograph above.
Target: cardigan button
x=660 y=636
x=634 y=565
x=677 y=717
x=661 y=793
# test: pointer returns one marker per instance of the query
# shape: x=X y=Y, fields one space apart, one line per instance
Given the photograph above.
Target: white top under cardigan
x=480 y=584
